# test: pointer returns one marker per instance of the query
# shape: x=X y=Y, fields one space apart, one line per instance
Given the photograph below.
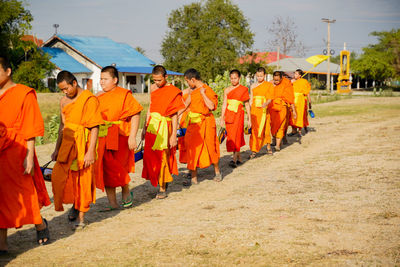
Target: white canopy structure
x=292 y=64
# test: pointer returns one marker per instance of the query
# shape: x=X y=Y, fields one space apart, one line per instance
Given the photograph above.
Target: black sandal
x=73 y=214
x=232 y=164
x=187 y=182
x=43 y=234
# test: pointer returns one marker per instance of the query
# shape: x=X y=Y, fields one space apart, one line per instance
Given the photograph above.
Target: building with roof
x=290 y=65
x=262 y=57
x=85 y=56
x=31 y=38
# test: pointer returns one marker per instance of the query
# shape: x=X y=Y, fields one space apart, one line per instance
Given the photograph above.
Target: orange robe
x=181 y=140
x=260 y=137
x=21 y=196
x=234 y=121
x=115 y=160
x=201 y=139
x=278 y=109
x=76 y=185
x=158 y=165
x=301 y=89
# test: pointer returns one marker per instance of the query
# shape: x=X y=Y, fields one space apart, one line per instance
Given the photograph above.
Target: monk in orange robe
x=279 y=107
x=117 y=138
x=301 y=88
x=235 y=97
x=201 y=139
x=22 y=188
x=182 y=117
x=159 y=161
x=75 y=152
x=260 y=97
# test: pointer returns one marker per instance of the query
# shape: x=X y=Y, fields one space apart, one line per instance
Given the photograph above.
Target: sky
x=144 y=23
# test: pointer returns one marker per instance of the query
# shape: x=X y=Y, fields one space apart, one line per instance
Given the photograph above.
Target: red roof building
x=33 y=39
x=266 y=57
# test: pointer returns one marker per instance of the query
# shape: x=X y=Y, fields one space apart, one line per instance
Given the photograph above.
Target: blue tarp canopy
x=64 y=61
x=144 y=70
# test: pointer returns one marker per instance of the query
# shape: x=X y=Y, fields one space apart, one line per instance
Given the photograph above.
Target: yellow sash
x=299 y=98
x=233 y=105
x=159 y=125
x=103 y=129
x=258 y=102
x=194 y=117
x=80 y=135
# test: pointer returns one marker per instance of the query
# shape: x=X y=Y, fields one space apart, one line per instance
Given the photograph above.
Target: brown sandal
x=161 y=195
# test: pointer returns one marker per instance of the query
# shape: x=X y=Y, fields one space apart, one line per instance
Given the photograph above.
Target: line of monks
x=97 y=138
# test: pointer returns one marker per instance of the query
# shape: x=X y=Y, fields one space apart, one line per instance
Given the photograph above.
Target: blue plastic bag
x=312 y=115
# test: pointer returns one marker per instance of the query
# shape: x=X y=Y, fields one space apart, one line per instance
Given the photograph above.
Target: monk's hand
x=294 y=114
x=88 y=159
x=54 y=155
x=202 y=90
x=173 y=141
x=265 y=105
x=143 y=133
x=132 y=142
x=28 y=164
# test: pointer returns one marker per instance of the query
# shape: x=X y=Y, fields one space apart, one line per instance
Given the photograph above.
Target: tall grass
x=49 y=104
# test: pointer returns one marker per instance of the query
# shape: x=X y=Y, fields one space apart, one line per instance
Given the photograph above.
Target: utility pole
x=278 y=57
x=328 y=49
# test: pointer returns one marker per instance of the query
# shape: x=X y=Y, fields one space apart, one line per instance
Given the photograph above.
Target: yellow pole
x=308 y=71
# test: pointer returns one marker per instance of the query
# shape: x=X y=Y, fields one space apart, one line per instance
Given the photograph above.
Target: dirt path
x=332 y=200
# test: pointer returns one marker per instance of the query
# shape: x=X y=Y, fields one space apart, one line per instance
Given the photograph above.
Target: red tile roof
x=34 y=39
x=266 y=57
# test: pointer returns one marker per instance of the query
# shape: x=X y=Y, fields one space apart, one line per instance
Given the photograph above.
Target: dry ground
x=333 y=200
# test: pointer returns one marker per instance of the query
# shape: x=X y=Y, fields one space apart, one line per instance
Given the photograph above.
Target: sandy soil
x=329 y=199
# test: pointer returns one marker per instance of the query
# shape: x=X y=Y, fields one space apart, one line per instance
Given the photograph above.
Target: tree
x=283 y=34
x=14 y=22
x=209 y=37
x=32 y=72
x=380 y=61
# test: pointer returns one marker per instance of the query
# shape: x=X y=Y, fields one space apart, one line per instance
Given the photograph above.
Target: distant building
x=85 y=56
x=290 y=65
x=30 y=38
x=262 y=57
